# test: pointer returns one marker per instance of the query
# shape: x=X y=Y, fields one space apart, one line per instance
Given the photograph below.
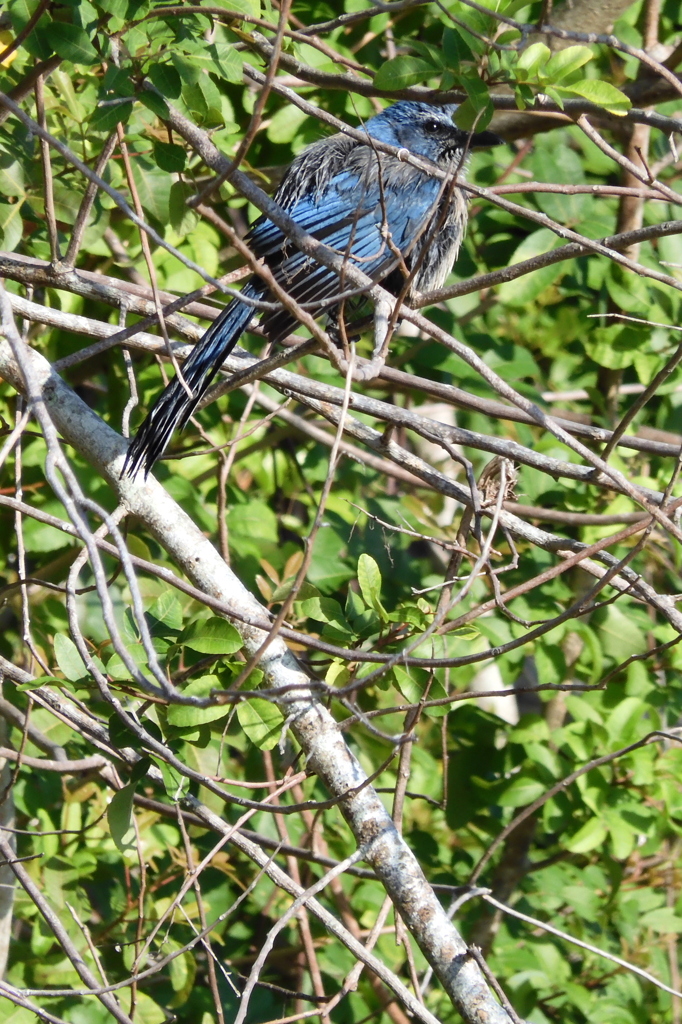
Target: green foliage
x=598 y=684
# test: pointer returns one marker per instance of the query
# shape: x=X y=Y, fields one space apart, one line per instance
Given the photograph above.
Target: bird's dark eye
x=431 y=126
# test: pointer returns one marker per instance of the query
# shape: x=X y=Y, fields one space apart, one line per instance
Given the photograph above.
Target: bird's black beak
x=481 y=139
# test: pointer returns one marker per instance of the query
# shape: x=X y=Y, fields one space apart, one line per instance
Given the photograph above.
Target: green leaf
x=12 y=180
x=229 y=61
x=477 y=22
x=591 y=653
x=147 y=1011
x=632 y=295
x=542 y=755
x=165 y=615
x=623 y=837
x=286 y=123
x=104 y=119
x=252 y=526
x=328 y=567
x=402 y=72
x=619 y=633
x=630 y=721
x=527 y=288
x=182 y=716
x=663 y=920
x=42 y=941
x=40 y=681
x=12 y=1014
x=140 y=769
x=603 y=94
x=556 y=162
x=203 y=99
x=566 y=61
x=523 y=96
x=455 y=48
x=412 y=684
x=262 y=722
x=153 y=188
x=169 y=157
x=117 y=81
x=182 y=972
x=11 y=233
x=86 y=16
x=68 y=658
x=71 y=43
x=176 y=784
x=166 y=79
x=337 y=674
x=155 y=103
x=19 y=14
x=531 y=61
x=121 y=736
x=521 y=792
x=188 y=70
x=211 y=636
x=582 y=710
x=120 y=815
x=68 y=95
x=550 y=663
x=531 y=729
x=476 y=111
x=552 y=92
x=474 y=118
x=183 y=219
x=589 y=837
x=324 y=609
x=369 y=578
x=117 y=668
x=250 y=7
x=614 y=346
x=477 y=91
x=431 y=54
x=509 y=9
x=583 y=900
x=411 y=687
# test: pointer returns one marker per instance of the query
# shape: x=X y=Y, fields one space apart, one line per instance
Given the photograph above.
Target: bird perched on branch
x=398 y=224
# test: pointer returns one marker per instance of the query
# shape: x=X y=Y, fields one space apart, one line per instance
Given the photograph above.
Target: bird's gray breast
x=439 y=245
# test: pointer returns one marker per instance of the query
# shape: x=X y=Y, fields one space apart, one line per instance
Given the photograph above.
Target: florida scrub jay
x=380 y=213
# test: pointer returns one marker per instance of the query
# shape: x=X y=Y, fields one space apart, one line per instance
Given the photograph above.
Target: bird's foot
x=361 y=372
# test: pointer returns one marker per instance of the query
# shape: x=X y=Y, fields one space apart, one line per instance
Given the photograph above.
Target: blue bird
x=379 y=212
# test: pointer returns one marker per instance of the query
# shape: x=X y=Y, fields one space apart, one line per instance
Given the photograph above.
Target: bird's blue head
x=426 y=131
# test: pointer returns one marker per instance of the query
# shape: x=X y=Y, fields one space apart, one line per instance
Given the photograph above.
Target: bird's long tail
x=175 y=406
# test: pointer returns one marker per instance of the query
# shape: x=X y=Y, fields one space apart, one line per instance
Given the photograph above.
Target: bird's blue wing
x=356 y=220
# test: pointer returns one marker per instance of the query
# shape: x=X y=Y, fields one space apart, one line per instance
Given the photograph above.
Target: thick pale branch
x=316 y=730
